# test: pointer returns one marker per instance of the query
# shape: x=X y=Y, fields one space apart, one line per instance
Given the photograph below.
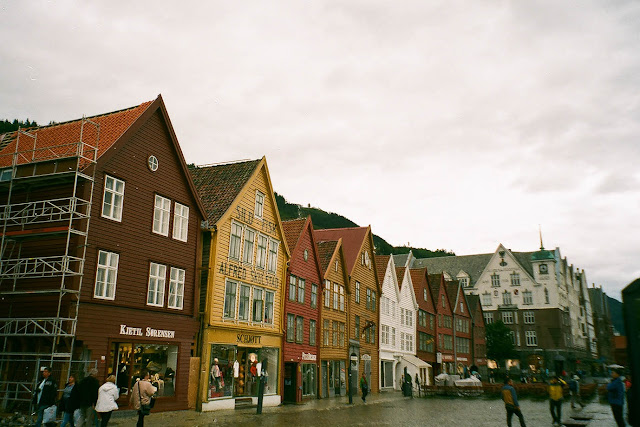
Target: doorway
x=290 y=383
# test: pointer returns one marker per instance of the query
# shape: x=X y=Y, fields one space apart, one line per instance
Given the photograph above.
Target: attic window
x=336 y=265
x=306 y=254
x=152 y=163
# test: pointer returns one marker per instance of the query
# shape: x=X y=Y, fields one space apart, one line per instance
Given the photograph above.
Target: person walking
x=141 y=393
x=364 y=386
x=511 y=403
x=615 y=396
x=108 y=393
x=66 y=404
x=574 y=390
x=45 y=395
x=556 y=396
x=88 y=396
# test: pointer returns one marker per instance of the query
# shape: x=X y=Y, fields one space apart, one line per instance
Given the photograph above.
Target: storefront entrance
x=290 y=382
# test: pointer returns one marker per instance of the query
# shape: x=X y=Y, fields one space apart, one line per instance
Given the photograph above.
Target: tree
x=499 y=344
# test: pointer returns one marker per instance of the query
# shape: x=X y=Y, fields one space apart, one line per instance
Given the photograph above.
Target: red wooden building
x=99 y=252
x=462 y=327
x=302 y=313
x=444 y=325
x=426 y=318
x=478 y=338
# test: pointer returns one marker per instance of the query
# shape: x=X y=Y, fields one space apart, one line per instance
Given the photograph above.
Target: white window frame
x=235 y=240
x=486 y=299
x=108 y=271
x=176 y=289
x=531 y=338
x=247 y=252
x=115 y=196
x=357 y=292
x=157 y=283
x=464 y=282
x=515 y=278
x=488 y=318
x=259 y=207
x=180 y=222
x=261 y=251
x=272 y=260
x=506 y=298
x=527 y=298
x=495 y=280
x=507 y=317
x=424 y=294
x=529 y=317
x=161 y=213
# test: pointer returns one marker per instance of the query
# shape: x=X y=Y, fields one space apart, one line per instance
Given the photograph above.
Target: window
x=261 y=253
x=341 y=290
x=336 y=266
x=384 y=330
x=308 y=379
x=292 y=288
x=431 y=320
x=527 y=298
x=506 y=298
x=425 y=342
x=268 y=307
x=176 y=288
x=336 y=300
x=368 y=298
x=327 y=293
x=258 y=304
x=234 y=242
x=401 y=340
x=373 y=300
x=488 y=318
x=325 y=332
x=464 y=282
x=402 y=316
x=112 y=198
x=334 y=332
x=247 y=252
x=546 y=296
x=301 y=284
x=507 y=317
x=531 y=338
x=312 y=332
x=290 y=327
x=357 y=292
x=495 y=280
x=443 y=302
x=259 y=204
x=461 y=307
x=180 y=222
x=230 y=300
x=314 y=295
x=448 y=342
x=424 y=294
x=486 y=298
x=422 y=318
x=393 y=337
x=273 y=255
x=342 y=334
x=408 y=317
x=299 y=329
x=529 y=317
x=356 y=330
x=244 y=304
x=106 y=275
x=161 y=212
x=512 y=334
x=515 y=279
x=157 y=278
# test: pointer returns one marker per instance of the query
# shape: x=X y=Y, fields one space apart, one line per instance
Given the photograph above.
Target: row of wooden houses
x=117 y=254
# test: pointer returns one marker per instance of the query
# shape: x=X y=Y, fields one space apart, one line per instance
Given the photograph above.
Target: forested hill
x=322 y=220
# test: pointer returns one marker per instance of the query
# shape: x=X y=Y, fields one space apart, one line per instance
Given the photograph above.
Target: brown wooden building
x=478 y=337
x=302 y=313
x=444 y=326
x=112 y=240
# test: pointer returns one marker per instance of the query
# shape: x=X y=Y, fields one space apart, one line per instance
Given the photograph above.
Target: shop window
x=180 y=222
x=221 y=372
x=308 y=379
x=129 y=359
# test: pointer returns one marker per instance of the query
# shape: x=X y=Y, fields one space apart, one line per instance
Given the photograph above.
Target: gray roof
x=473 y=265
x=400 y=260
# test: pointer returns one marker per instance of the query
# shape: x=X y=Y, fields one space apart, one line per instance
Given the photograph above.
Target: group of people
x=88 y=403
x=615 y=397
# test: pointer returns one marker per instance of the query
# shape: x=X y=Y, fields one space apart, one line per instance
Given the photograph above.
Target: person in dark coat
x=510 y=399
x=45 y=395
x=88 y=396
x=615 y=396
x=66 y=405
x=364 y=386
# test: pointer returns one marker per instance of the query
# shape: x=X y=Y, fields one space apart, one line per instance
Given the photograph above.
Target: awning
x=412 y=360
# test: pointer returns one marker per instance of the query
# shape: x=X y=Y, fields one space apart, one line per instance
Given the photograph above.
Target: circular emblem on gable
x=152 y=162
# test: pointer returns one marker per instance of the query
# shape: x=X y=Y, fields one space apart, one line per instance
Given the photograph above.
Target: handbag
x=49 y=415
x=146 y=408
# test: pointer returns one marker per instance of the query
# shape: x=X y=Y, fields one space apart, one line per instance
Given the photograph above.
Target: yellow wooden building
x=241 y=301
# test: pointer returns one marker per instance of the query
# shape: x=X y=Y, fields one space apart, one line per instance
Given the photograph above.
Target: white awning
x=413 y=360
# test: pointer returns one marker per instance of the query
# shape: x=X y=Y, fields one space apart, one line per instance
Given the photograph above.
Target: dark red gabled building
x=301 y=308
x=478 y=338
x=444 y=325
x=462 y=327
x=426 y=319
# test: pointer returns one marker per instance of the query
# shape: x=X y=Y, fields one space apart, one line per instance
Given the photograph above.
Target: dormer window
x=259 y=210
x=464 y=282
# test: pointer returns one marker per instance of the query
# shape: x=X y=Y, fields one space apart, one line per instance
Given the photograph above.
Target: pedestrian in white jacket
x=107 y=395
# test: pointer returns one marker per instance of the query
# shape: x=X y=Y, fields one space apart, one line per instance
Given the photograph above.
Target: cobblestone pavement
x=384 y=409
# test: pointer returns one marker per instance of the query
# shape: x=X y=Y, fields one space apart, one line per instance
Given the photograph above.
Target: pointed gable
x=293 y=231
x=420 y=282
x=326 y=249
x=382 y=262
x=352 y=241
x=400 y=275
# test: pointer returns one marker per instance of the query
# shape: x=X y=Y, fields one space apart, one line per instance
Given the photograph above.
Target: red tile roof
x=326 y=250
x=352 y=240
x=400 y=275
x=292 y=231
x=219 y=185
x=435 y=281
x=381 y=264
x=61 y=140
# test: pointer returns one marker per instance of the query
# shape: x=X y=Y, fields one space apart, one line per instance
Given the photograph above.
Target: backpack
x=573 y=385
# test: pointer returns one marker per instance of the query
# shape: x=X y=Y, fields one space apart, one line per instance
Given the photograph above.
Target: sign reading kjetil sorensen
x=148 y=332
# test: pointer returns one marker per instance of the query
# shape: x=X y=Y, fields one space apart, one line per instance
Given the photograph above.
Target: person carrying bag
x=142 y=398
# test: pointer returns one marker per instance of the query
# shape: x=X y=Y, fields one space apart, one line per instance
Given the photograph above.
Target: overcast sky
x=455 y=125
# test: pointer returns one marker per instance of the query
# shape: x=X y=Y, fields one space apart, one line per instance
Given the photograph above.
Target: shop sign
x=447 y=357
x=231 y=268
x=365 y=357
x=248 y=339
x=148 y=332
x=308 y=356
x=462 y=359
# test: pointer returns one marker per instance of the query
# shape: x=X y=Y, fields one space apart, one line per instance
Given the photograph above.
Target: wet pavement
x=383 y=409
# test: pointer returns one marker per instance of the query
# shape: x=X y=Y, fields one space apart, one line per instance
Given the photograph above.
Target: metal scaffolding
x=44 y=219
